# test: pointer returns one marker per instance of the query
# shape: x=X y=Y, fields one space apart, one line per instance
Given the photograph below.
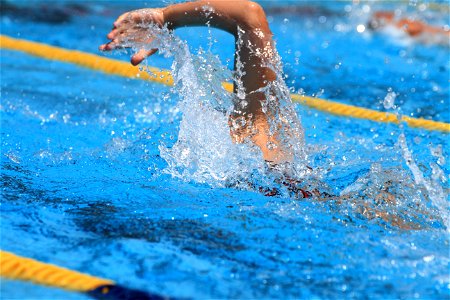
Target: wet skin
x=247 y=22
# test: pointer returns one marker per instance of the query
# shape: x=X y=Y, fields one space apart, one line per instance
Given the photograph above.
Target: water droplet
x=271 y=145
x=361 y=28
x=388 y=102
x=428 y=258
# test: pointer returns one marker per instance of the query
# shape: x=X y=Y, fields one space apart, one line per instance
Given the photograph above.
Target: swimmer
x=243 y=19
x=416 y=29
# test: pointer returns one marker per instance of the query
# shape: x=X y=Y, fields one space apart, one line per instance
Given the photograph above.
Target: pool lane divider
x=124 y=69
x=20 y=268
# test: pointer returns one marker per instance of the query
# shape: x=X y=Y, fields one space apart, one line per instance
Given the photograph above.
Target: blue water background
x=82 y=185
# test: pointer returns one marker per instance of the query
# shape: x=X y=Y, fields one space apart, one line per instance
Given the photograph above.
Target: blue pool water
x=86 y=185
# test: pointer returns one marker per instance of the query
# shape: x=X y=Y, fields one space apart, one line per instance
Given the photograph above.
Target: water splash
x=204 y=151
x=433 y=187
x=389 y=100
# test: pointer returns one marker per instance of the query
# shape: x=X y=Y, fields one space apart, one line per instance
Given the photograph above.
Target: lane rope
x=124 y=69
x=20 y=268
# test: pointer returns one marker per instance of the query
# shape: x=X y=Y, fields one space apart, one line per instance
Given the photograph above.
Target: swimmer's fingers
x=141 y=55
x=126 y=39
x=115 y=44
x=117 y=31
x=122 y=26
x=117 y=37
x=113 y=34
x=131 y=30
x=122 y=18
x=106 y=47
x=133 y=17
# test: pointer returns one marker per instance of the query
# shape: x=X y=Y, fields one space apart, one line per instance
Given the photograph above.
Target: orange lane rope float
x=20 y=268
x=121 y=68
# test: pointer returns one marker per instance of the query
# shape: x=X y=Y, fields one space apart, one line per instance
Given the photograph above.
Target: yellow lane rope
x=91 y=61
x=443 y=7
x=20 y=268
x=120 y=68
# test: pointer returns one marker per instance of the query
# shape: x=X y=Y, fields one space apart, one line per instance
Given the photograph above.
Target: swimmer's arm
x=225 y=15
x=413 y=28
x=247 y=21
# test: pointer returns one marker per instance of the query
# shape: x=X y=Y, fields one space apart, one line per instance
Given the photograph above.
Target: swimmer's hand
x=131 y=28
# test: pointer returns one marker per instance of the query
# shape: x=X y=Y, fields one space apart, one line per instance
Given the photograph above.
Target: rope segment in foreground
x=121 y=68
x=21 y=268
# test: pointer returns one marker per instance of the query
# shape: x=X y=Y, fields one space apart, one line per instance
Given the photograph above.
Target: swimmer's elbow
x=254 y=16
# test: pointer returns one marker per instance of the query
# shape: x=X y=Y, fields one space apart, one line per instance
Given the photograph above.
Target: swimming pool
x=84 y=185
